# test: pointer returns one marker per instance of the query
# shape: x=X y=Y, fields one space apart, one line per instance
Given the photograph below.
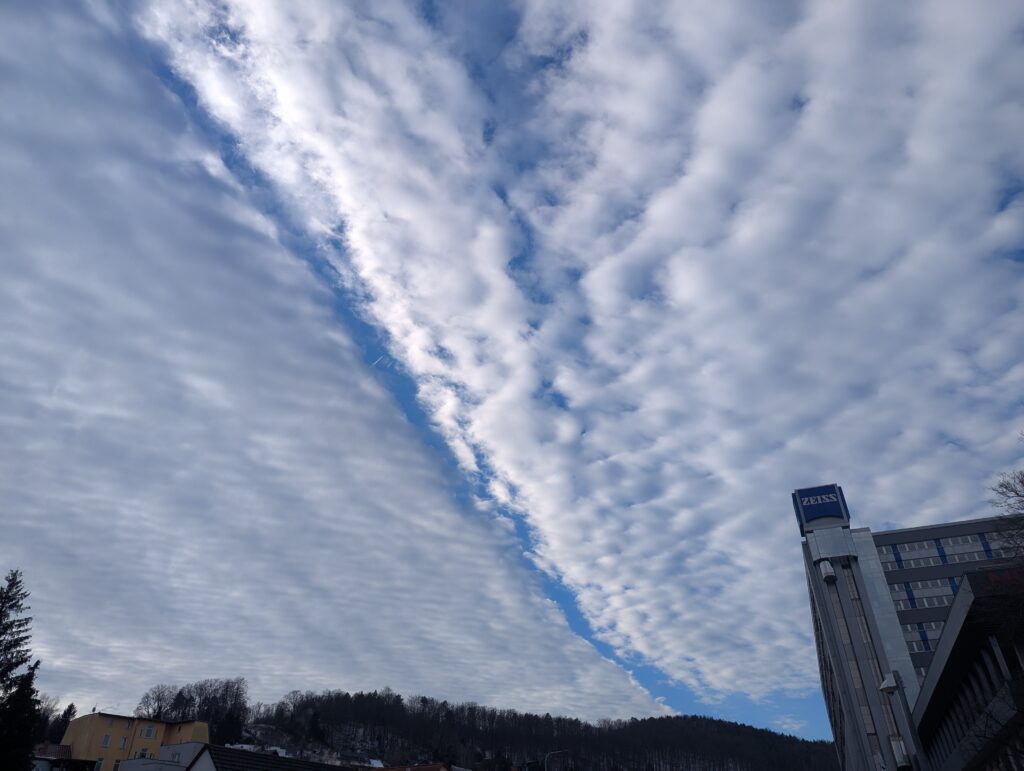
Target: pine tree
x=19 y=701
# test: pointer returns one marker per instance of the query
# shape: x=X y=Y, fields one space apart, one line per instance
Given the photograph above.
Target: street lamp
x=554 y=752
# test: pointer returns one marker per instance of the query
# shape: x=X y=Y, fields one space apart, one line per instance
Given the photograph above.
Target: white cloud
x=744 y=251
x=789 y=724
x=199 y=476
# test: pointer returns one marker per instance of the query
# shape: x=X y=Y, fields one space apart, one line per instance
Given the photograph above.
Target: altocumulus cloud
x=198 y=475
x=653 y=265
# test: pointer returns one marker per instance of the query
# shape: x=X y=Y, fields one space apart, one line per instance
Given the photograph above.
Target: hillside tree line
x=383 y=724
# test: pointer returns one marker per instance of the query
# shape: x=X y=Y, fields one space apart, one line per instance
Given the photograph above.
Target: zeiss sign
x=819 y=502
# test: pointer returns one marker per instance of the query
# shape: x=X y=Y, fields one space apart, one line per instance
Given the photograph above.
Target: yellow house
x=108 y=739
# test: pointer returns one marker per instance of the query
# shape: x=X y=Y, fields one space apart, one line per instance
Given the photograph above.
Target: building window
x=117 y=765
x=106 y=741
x=124 y=742
x=149 y=732
x=99 y=765
x=141 y=753
x=932 y=583
x=175 y=757
x=958 y=540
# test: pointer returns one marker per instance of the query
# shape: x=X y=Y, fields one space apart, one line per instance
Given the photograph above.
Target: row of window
x=143 y=753
x=920 y=588
x=931 y=637
x=928 y=626
x=924 y=602
x=956 y=540
x=922 y=562
x=147 y=733
x=919 y=646
x=904 y=548
x=972 y=556
x=914 y=562
x=932 y=583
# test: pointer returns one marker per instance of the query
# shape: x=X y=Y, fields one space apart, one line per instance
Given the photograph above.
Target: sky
x=474 y=349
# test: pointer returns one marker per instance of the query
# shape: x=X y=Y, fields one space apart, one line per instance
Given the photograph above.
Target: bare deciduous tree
x=1009 y=499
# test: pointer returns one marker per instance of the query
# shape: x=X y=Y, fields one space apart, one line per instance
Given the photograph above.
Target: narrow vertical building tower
x=867 y=676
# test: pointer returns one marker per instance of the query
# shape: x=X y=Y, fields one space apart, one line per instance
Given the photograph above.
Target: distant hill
x=383 y=724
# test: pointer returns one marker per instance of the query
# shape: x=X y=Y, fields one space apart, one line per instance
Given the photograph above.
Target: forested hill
x=384 y=725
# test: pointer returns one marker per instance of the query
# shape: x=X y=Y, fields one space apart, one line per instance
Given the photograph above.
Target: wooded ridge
x=384 y=725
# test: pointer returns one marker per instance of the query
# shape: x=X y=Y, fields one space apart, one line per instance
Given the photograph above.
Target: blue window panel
x=985 y=545
x=952 y=584
x=924 y=637
x=896 y=555
x=942 y=552
x=910 y=594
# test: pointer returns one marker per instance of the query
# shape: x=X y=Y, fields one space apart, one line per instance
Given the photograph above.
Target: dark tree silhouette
x=382 y=724
x=1009 y=492
x=1009 y=499
x=19 y=702
x=221 y=703
x=158 y=702
x=59 y=726
x=47 y=712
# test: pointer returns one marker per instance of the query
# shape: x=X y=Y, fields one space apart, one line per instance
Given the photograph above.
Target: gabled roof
x=51 y=750
x=228 y=759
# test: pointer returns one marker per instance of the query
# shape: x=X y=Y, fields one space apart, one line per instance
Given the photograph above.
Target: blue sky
x=474 y=349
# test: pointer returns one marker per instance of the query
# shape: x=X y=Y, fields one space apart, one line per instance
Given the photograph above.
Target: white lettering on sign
x=813 y=499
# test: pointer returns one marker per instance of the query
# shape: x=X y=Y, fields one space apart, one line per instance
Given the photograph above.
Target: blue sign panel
x=817 y=502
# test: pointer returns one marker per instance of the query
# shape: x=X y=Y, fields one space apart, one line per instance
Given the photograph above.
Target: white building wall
x=880 y=601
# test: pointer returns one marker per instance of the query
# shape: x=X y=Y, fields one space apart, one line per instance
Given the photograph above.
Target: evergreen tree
x=19 y=702
x=60 y=725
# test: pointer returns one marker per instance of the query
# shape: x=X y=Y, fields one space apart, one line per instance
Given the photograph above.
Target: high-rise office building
x=923 y=568
x=879 y=605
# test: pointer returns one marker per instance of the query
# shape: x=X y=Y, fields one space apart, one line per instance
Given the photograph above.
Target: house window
x=141 y=753
x=106 y=741
x=149 y=732
x=99 y=765
x=124 y=742
x=117 y=765
x=175 y=756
